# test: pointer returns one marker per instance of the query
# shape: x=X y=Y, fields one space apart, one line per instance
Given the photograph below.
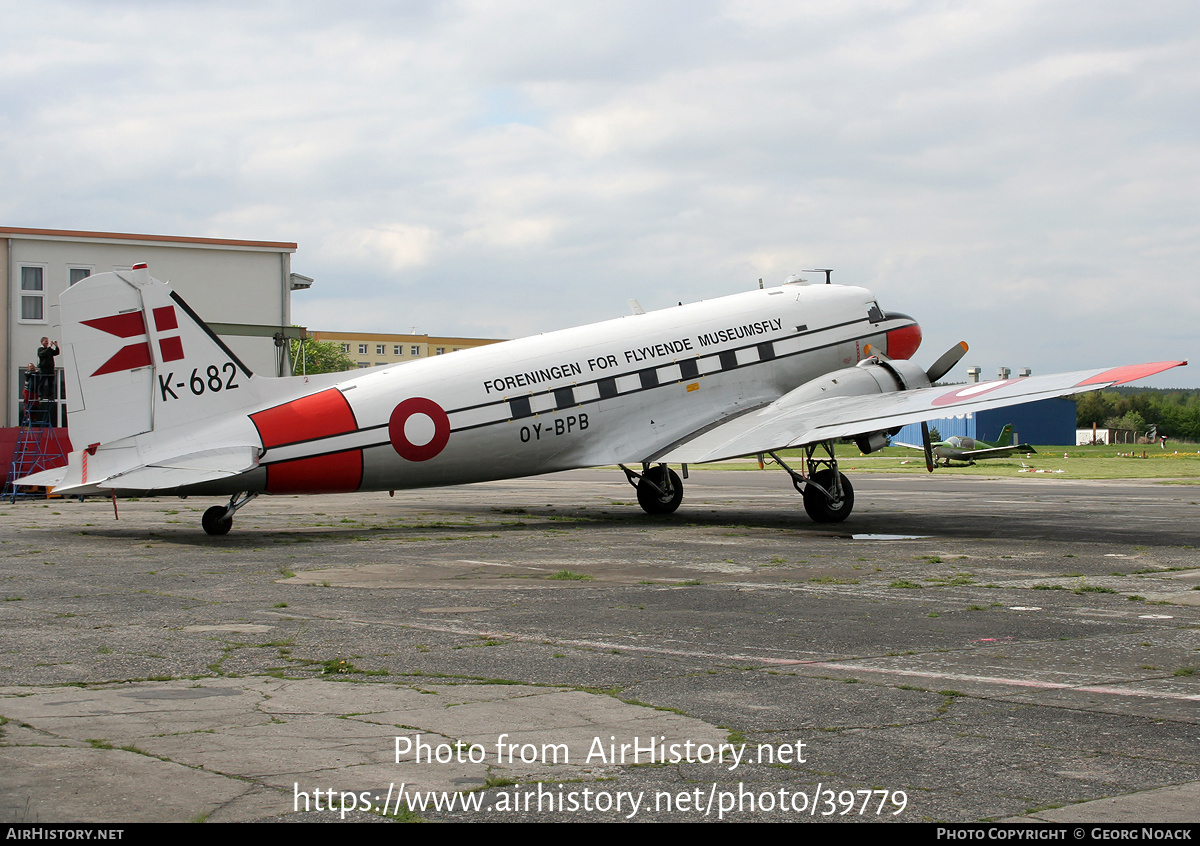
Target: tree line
x=1176 y=413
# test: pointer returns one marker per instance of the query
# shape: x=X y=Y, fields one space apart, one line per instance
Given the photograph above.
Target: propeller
x=947 y=360
x=936 y=371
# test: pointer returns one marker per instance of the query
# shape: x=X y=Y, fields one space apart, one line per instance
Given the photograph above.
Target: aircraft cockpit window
x=874 y=314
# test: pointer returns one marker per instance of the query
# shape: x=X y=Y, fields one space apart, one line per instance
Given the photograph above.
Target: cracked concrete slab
x=236 y=749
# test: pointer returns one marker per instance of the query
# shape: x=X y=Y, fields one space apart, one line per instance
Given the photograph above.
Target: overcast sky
x=1021 y=175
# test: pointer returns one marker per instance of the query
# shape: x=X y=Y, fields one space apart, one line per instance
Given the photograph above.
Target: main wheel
x=657 y=502
x=822 y=509
x=215 y=522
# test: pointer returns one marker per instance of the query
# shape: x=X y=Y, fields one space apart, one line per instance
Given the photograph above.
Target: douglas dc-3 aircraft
x=159 y=405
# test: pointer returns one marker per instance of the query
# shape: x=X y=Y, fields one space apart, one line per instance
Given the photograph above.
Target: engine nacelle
x=870 y=442
x=870 y=376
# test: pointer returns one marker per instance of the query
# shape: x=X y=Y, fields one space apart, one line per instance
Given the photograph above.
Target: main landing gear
x=828 y=494
x=659 y=490
x=218 y=520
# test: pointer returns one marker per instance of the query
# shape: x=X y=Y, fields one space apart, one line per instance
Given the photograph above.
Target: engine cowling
x=873 y=375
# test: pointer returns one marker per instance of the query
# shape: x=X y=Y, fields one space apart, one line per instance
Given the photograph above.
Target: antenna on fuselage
x=826 y=270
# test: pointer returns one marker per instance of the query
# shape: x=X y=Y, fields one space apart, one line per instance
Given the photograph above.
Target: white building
x=242 y=289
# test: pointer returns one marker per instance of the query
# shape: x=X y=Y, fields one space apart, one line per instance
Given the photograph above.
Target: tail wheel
x=215 y=522
x=659 y=491
x=820 y=507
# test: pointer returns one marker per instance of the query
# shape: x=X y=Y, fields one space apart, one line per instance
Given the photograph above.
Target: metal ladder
x=38 y=448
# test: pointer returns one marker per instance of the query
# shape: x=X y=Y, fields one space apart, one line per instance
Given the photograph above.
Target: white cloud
x=1020 y=174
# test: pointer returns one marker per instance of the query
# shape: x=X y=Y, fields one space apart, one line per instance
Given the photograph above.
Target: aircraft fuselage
x=621 y=391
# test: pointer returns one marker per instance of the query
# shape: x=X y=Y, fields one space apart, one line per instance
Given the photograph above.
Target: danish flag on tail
x=133 y=325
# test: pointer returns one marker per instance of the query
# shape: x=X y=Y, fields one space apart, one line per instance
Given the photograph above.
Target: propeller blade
x=927 y=445
x=949 y=358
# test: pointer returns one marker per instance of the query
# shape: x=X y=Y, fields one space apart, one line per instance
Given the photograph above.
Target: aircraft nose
x=903 y=341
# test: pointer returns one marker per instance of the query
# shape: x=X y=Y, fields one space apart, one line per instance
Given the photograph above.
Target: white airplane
x=157 y=404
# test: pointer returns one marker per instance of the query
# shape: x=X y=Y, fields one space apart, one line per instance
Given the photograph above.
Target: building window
x=77 y=274
x=362 y=365
x=33 y=294
x=397 y=349
x=381 y=349
x=362 y=350
x=441 y=350
x=415 y=350
x=345 y=348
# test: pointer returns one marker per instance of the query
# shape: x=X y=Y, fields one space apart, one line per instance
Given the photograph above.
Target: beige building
x=371 y=350
x=242 y=289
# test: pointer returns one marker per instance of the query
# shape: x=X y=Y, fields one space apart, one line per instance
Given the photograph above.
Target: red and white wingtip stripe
x=1130 y=373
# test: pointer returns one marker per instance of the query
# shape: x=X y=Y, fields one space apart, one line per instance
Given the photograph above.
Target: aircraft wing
x=791 y=421
x=996 y=452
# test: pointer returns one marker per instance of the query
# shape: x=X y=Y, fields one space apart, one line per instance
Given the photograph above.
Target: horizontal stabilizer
x=166 y=474
x=184 y=470
x=44 y=479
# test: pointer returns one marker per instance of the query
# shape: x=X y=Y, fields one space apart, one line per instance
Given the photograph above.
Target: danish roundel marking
x=441 y=429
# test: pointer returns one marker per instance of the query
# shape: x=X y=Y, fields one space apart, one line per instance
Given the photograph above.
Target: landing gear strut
x=218 y=520
x=828 y=494
x=659 y=490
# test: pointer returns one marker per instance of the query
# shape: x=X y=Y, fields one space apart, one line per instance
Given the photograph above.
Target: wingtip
x=1131 y=372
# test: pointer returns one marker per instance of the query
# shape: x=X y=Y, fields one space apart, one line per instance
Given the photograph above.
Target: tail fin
x=137 y=358
x=1005 y=435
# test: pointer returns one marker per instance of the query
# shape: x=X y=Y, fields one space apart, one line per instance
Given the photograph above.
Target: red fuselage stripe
x=317 y=416
x=339 y=472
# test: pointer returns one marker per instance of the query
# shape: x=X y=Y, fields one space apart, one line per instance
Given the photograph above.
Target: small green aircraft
x=969 y=450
